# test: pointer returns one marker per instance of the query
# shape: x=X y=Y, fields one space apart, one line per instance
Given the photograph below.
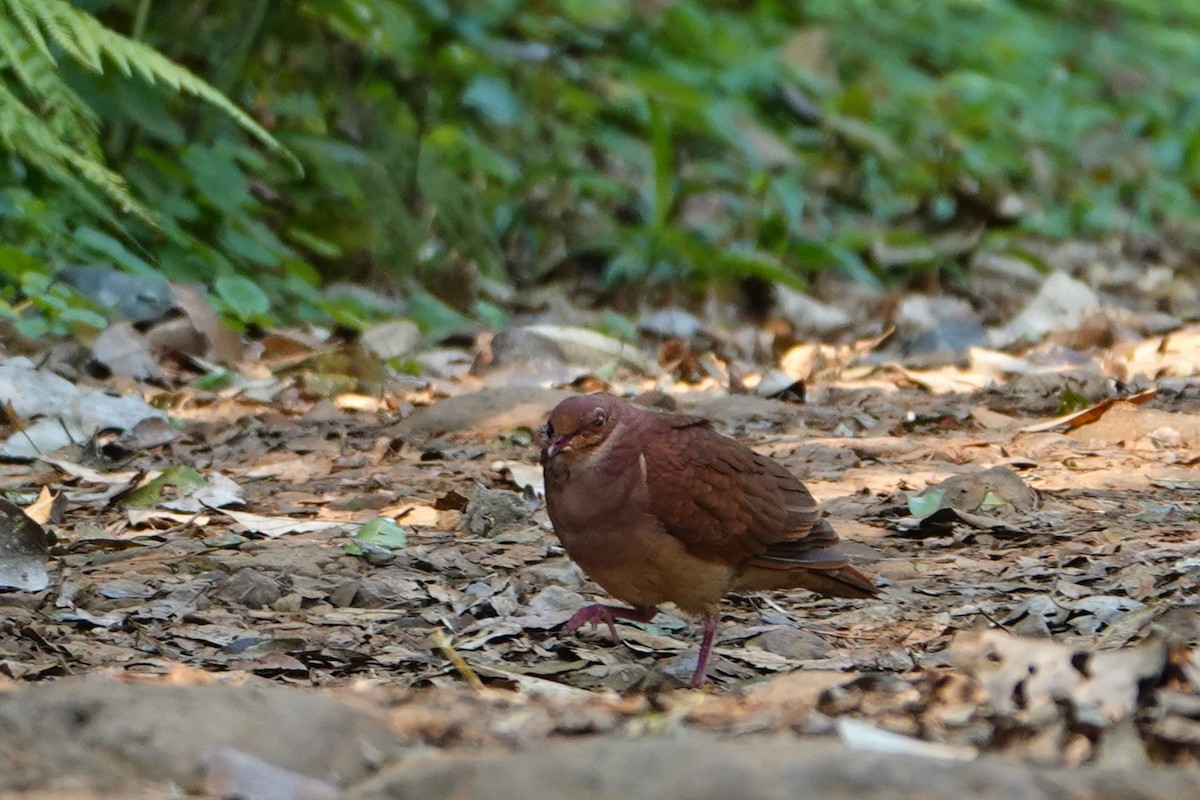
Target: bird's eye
x=547 y=430
x=598 y=420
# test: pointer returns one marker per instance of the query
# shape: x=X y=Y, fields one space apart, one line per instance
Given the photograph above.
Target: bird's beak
x=558 y=445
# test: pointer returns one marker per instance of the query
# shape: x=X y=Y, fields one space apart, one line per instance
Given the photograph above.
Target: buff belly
x=648 y=568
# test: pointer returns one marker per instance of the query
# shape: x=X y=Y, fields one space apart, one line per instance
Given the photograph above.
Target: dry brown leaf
x=224 y=345
x=48 y=507
x=1128 y=424
x=420 y=516
x=1091 y=413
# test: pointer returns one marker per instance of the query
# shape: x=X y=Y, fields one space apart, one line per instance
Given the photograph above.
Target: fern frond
x=67 y=29
x=10 y=48
x=27 y=136
x=28 y=24
x=86 y=40
x=57 y=104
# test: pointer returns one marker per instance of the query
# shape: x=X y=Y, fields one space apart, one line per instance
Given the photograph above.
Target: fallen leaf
x=48 y=507
x=550 y=608
x=273 y=527
x=526 y=477
x=24 y=547
x=379 y=532
x=1091 y=414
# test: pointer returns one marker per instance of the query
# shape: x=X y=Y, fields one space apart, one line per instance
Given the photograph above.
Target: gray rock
x=251 y=588
x=518 y=346
x=777 y=768
x=392 y=339
x=138 y=299
x=794 y=643
x=491 y=512
x=110 y=736
x=1061 y=304
x=808 y=315
x=485 y=413
x=672 y=323
x=385 y=592
x=954 y=336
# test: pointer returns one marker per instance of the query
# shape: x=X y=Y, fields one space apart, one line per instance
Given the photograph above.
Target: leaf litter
x=1038 y=566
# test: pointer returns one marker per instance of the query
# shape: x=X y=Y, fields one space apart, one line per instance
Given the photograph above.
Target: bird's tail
x=844 y=582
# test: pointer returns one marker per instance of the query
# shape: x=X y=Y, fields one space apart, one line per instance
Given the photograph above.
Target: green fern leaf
x=25 y=134
x=87 y=41
x=25 y=19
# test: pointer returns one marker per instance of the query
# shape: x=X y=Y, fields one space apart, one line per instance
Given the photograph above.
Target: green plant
x=637 y=143
x=44 y=121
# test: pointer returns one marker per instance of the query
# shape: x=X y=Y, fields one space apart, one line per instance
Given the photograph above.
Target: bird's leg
x=711 y=621
x=597 y=613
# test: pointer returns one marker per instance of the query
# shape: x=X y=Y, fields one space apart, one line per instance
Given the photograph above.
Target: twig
x=994 y=621
x=443 y=643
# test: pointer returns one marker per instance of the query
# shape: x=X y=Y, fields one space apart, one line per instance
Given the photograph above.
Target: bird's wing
x=728 y=503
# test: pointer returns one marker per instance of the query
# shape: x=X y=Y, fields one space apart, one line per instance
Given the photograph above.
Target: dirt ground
x=1044 y=612
x=304 y=566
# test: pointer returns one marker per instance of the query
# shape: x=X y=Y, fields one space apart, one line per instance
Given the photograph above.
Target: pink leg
x=597 y=613
x=706 y=645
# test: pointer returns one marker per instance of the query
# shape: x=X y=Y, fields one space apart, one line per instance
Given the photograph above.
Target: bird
x=659 y=507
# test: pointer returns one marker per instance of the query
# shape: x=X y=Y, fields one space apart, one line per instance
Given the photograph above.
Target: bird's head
x=579 y=424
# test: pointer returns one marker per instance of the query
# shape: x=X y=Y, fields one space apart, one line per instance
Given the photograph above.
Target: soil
x=187 y=650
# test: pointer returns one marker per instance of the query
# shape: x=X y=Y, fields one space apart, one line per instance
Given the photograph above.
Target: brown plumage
x=661 y=508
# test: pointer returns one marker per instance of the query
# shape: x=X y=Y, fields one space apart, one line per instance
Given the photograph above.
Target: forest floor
x=215 y=618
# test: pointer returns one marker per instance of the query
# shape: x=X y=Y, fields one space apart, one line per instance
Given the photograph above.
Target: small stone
x=809 y=316
x=1167 y=437
x=251 y=588
x=343 y=596
x=290 y=603
x=491 y=512
x=518 y=348
x=385 y=592
x=792 y=643
x=672 y=323
x=392 y=339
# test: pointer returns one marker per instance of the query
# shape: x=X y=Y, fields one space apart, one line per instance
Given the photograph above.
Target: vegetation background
x=451 y=151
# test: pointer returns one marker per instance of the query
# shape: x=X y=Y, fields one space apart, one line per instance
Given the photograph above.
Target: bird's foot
x=706 y=645
x=596 y=613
